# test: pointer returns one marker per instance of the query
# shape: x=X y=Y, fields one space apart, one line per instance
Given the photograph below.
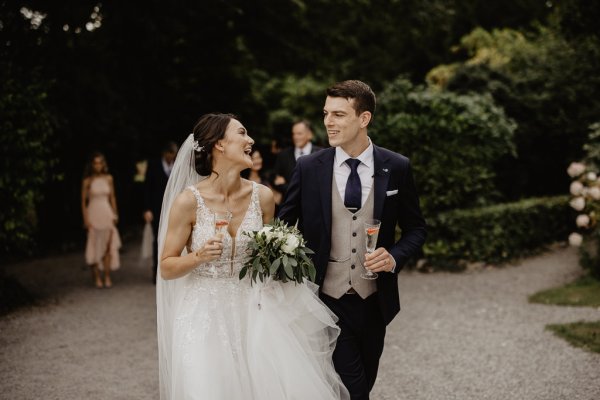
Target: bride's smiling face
x=236 y=146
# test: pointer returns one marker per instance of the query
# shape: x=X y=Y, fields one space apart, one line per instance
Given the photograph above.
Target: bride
x=220 y=337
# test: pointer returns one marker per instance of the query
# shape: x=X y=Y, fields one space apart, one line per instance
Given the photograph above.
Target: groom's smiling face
x=340 y=119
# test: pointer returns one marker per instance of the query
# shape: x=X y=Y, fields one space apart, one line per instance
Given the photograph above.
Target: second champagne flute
x=371 y=234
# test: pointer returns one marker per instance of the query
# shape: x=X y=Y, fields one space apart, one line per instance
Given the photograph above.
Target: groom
x=331 y=194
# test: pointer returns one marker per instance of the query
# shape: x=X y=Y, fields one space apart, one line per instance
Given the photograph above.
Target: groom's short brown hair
x=363 y=95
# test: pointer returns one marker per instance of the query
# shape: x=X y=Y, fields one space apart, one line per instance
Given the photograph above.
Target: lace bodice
x=231 y=261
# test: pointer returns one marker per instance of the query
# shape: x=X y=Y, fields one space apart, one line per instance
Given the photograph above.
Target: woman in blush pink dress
x=99 y=208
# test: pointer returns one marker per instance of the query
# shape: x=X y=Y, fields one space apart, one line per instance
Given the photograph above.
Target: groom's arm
x=290 y=210
x=410 y=221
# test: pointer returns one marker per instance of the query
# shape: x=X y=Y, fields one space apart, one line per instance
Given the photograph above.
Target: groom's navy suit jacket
x=396 y=203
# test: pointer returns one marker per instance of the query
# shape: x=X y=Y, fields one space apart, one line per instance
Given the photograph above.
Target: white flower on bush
x=591 y=176
x=583 y=220
x=594 y=193
x=575 y=239
x=578 y=203
x=576 y=188
x=291 y=243
x=576 y=169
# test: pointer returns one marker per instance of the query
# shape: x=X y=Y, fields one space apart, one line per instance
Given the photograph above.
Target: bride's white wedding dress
x=233 y=340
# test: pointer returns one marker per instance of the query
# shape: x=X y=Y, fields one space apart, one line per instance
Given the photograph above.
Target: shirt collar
x=366 y=157
x=305 y=150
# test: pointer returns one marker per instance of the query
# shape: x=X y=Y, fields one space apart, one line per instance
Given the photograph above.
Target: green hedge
x=454 y=142
x=496 y=233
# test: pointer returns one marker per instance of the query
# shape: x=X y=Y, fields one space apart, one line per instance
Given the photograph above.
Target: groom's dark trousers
x=362 y=321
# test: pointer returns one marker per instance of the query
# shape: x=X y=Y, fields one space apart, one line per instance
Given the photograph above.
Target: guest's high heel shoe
x=107 y=282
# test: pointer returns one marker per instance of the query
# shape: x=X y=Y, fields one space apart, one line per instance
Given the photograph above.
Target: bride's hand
x=212 y=250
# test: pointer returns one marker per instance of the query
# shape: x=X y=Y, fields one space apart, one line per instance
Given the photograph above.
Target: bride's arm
x=181 y=219
x=267 y=203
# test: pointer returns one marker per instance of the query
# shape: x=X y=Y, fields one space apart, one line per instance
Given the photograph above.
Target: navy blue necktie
x=353 y=195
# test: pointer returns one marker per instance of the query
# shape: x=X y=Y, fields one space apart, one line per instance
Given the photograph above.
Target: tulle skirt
x=270 y=341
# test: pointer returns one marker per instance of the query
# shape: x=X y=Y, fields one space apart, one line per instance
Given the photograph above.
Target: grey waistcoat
x=346 y=257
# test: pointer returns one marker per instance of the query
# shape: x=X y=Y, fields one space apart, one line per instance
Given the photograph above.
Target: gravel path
x=459 y=336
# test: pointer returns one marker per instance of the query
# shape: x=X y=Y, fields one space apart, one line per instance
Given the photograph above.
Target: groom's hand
x=379 y=261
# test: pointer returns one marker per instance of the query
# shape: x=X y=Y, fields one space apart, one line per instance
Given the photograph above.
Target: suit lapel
x=325 y=174
x=380 y=182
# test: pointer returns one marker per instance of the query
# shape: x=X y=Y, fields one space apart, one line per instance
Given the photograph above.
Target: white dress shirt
x=166 y=167
x=305 y=150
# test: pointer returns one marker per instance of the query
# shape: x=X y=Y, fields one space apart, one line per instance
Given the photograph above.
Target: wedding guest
x=99 y=209
x=302 y=136
x=157 y=175
x=257 y=172
x=332 y=195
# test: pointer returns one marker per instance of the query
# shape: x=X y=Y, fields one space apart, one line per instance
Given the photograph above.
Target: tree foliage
x=27 y=129
x=547 y=83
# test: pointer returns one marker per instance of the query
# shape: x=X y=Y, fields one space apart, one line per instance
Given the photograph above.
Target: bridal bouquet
x=278 y=251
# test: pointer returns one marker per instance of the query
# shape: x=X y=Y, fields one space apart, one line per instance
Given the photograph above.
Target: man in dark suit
x=157 y=175
x=302 y=135
x=332 y=194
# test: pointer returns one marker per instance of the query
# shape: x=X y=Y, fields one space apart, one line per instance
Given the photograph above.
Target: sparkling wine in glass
x=222 y=219
x=371 y=233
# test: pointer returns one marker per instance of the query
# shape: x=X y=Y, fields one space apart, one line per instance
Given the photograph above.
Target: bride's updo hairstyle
x=209 y=129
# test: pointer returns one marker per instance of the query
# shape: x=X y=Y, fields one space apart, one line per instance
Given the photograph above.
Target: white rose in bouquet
x=575 y=239
x=575 y=169
x=578 y=203
x=591 y=176
x=268 y=231
x=582 y=221
x=291 y=243
x=576 y=188
x=594 y=193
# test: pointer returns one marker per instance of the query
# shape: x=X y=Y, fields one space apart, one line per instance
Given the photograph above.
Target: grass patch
x=583 y=292
x=580 y=334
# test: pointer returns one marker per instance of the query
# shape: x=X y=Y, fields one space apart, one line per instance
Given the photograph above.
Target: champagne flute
x=371 y=233
x=222 y=219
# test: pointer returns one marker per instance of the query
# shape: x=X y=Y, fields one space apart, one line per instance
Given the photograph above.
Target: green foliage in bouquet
x=278 y=251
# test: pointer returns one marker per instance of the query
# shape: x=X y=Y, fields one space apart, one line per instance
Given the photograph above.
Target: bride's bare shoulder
x=184 y=202
x=265 y=193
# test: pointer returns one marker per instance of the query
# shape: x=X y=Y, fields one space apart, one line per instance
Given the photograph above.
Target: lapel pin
x=385 y=170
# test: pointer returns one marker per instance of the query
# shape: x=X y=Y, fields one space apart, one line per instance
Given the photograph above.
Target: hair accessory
x=197 y=148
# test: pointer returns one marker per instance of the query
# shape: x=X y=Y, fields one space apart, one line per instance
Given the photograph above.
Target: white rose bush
x=585 y=192
x=279 y=252
x=585 y=200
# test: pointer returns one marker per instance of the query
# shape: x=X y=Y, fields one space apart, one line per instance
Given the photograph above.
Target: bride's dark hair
x=209 y=129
